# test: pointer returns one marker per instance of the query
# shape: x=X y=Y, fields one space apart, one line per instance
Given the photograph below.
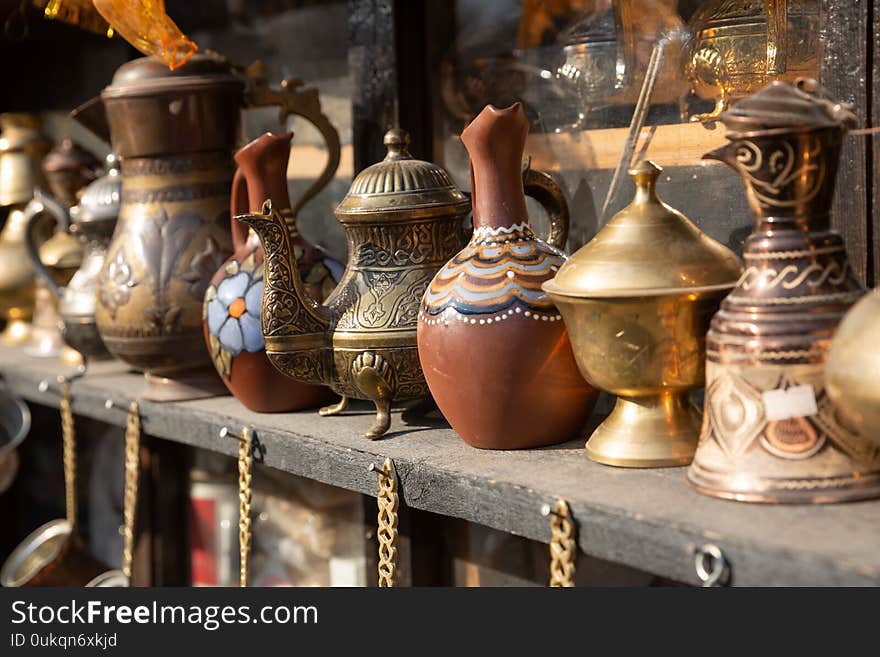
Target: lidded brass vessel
x=770 y=431
x=637 y=301
x=404 y=219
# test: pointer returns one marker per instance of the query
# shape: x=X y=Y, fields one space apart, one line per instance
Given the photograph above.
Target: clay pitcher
x=232 y=302
x=494 y=349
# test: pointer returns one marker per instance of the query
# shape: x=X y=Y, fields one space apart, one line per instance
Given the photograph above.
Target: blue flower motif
x=234 y=313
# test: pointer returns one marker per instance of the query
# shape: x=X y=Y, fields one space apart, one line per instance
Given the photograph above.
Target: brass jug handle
x=32 y=212
x=777 y=35
x=546 y=191
x=295 y=99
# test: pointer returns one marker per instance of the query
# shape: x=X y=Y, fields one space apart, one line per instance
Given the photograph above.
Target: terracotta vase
x=494 y=349
x=232 y=301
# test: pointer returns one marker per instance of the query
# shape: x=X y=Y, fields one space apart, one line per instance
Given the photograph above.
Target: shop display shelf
x=647 y=519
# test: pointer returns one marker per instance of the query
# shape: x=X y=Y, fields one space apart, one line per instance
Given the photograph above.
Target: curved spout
x=286 y=310
x=726 y=154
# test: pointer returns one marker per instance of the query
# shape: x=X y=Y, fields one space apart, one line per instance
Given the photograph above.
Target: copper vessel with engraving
x=404 y=219
x=770 y=432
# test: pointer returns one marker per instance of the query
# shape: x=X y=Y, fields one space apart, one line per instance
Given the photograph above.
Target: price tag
x=797 y=401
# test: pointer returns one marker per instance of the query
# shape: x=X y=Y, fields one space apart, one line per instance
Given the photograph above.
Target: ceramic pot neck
x=495 y=141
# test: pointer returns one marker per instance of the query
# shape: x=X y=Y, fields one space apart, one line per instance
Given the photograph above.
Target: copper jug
x=404 y=218
x=770 y=432
x=174 y=132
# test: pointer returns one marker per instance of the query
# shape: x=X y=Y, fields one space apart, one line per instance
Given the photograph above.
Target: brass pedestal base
x=647 y=432
x=184 y=385
x=16 y=333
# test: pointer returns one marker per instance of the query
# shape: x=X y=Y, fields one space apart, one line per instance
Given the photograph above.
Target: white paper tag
x=797 y=401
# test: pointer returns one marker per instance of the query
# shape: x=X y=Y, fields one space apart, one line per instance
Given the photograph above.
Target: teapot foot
x=334 y=409
x=374 y=375
x=383 y=419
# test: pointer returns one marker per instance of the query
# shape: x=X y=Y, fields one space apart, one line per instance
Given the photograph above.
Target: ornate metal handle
x=41 y=203
x=295 y=99
x=546 y=191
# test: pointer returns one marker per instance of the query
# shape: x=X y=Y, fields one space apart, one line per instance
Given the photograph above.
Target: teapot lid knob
x=645 y=173
x=397 y=141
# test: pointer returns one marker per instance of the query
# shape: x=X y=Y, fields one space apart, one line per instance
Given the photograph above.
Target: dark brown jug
x=232 y=301
x=494 y=349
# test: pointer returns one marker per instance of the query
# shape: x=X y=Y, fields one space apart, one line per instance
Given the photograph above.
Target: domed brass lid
x=647 y=249
x=402 y=186
x=149 y=75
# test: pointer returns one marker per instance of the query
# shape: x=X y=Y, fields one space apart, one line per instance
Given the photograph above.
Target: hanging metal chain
x=388 y=501
x=68 y=437
x=245 y=492
x=563 y=548
x=132 y=472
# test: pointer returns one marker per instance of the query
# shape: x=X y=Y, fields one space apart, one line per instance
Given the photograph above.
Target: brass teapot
x=404 y=219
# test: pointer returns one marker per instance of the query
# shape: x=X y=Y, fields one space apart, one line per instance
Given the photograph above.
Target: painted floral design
x=232 y=313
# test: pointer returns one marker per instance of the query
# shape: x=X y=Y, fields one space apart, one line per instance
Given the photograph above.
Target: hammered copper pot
x=174 y=132
x=494 y=349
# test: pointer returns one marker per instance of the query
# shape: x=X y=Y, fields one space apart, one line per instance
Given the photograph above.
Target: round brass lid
x=647 y=249
x=149 y=75
x=402 y=185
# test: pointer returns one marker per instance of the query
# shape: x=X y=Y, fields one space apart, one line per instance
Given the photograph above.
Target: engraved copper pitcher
x=770 y=432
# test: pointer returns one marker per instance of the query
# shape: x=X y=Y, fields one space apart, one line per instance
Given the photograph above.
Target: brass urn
x=735 y=47
x=637 y=300
x=404 y=219
x=770 y=432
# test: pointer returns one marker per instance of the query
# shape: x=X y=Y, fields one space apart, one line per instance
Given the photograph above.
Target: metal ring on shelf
x=712 y=566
